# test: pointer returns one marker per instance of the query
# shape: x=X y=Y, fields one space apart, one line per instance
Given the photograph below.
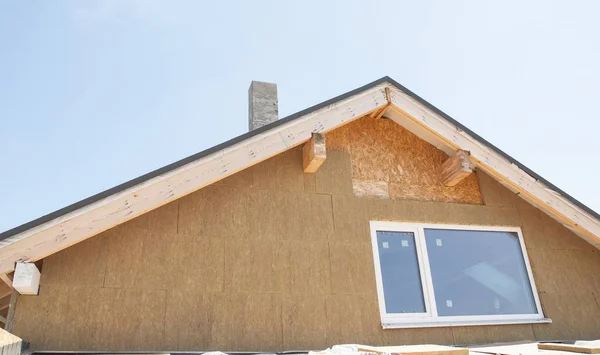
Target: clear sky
x=94 y=93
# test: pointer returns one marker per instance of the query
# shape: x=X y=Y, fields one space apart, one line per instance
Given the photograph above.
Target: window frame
x=430 y=318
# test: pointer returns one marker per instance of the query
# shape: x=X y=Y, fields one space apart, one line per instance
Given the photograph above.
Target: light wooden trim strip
x=314 y=153
x=569 y=347
x=486 y=159
x=71 y=228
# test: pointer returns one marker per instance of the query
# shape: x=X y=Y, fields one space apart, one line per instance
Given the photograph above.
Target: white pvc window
x=443 y=275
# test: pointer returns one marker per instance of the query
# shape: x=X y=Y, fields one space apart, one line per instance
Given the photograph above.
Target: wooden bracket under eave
x=456 y=168
x=377 y=114
x=314 y=153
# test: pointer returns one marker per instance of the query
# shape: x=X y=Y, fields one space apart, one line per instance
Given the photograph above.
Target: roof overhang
x=70 y=225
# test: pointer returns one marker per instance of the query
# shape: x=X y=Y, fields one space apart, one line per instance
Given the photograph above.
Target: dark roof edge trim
x=165 y=169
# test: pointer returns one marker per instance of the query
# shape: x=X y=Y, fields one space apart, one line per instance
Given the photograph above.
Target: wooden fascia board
x=500 y=168
x=73 y=227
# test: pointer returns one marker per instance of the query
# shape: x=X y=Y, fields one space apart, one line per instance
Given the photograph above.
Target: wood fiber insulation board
x=82 y=318
x=557 y=270
x=352 y=270
x=426 y=349
x=187 y=320
x=283 y=172
x=335 y=175
x=245 y=322
x=244 y=178
x=305 y=267
x=83 y=264
x=352 y=215
x=569 y=347
x=304 y=318
x=574 y=315
x=252 y=266
x=483 y=334
x=419 y=336
x=162 y=261
x=313 y=245
x=353 y=319
x=160 y=220
x=383 y=151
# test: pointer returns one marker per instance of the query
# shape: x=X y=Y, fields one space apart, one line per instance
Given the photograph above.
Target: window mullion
x=427 y=279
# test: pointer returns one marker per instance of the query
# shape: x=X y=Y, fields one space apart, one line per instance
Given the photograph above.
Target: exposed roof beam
x=314 y=153
x=456 y=168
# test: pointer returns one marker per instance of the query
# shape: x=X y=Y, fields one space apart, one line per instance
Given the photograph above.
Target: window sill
x=442 y=323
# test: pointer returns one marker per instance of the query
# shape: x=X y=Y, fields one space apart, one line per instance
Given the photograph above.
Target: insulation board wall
x=272 y=259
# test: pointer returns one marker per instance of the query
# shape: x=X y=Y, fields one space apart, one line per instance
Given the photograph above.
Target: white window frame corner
x=430 y=318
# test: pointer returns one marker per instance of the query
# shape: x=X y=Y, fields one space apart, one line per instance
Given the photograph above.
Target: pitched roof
x=69 y=225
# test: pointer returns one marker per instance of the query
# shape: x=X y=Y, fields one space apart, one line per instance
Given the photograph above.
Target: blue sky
x=94 y=93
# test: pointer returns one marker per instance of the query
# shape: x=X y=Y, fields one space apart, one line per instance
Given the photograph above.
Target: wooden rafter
x=379 y=113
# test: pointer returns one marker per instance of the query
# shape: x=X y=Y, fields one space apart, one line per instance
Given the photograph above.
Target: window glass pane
x=478 y=273
x=402 y=288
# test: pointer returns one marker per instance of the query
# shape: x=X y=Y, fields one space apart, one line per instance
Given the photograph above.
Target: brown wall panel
x=273 y=259
x=304 y=319
x=83 y=264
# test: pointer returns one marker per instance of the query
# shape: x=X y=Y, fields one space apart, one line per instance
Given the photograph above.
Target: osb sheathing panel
x=280 y=260
x=384 y=152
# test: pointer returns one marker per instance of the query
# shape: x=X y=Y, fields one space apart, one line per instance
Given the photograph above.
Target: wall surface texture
x=271 y=259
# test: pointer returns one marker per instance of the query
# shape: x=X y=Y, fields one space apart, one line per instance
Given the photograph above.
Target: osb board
x=253 y=266
x=383 y=151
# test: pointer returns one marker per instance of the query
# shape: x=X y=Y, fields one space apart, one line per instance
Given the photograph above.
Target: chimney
x=262 y=104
